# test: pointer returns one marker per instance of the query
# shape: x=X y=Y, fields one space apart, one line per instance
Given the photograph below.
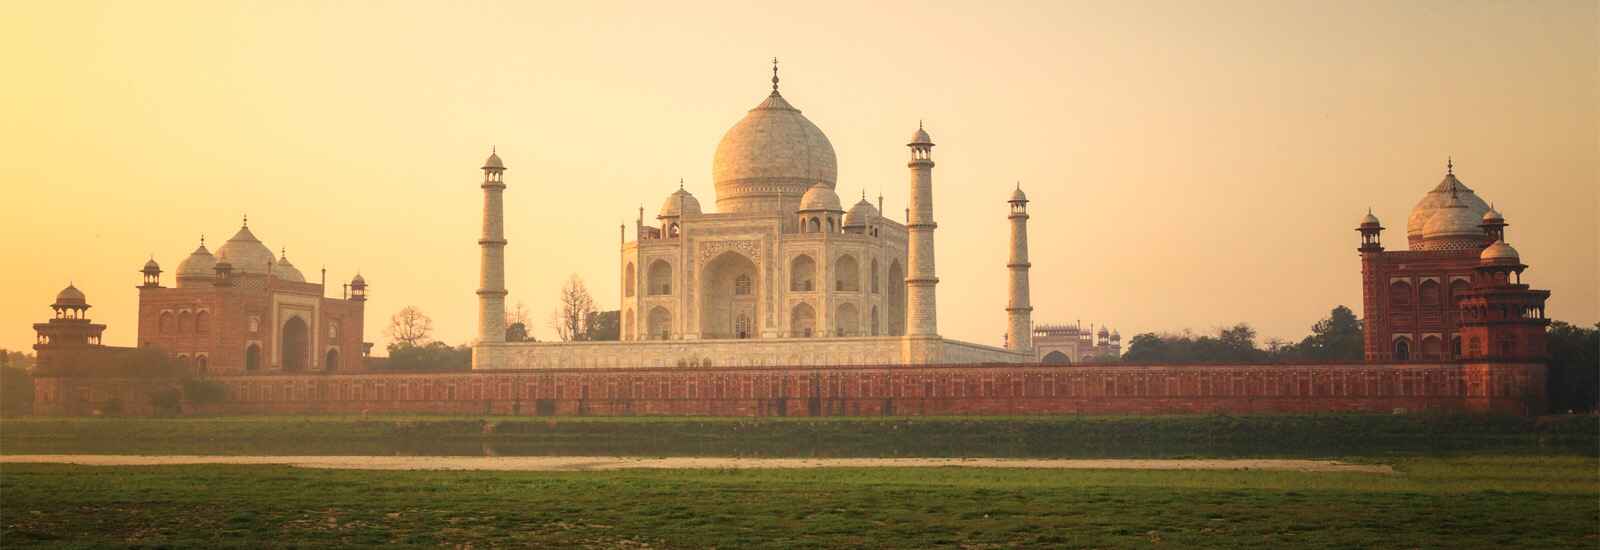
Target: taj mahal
x=781 y=273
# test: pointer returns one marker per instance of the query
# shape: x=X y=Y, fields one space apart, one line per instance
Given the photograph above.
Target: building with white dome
x=780 y=273
x=1457 y=293
x=245 y=310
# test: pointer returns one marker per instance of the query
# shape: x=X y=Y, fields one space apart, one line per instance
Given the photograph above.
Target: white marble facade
x=783 y=274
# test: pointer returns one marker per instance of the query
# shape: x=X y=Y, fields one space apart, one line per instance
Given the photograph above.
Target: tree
x=1573 y=378
x=410 y=326
x=1336 y=338
x=574 y=308
x=1235 y=344
x=434 y=356
x=517 y=332
x=604 y=326
x=517 y=324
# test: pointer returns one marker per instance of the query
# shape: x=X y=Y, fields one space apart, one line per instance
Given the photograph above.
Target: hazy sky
x=1192 y=164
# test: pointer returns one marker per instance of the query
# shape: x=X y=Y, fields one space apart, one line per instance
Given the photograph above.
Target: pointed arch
x=847 y=320
x=252 y=357
x=847 y=274
x=897 y=299
x=659 y=324
x=802 y=274
x=660 y=278
x=726 y=292
x=629 y=280
x=293 y=344
x=873 y=276
x=803 y=321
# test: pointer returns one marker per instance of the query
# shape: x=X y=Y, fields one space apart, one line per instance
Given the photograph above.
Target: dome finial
x=680 y=184
x=246 y=220
x=1449 y=166
x=202 y=239
x=774 y=75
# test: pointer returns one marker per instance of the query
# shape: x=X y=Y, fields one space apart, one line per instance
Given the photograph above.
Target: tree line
x=574 y=319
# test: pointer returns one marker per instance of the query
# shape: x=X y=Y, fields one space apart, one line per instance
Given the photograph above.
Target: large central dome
x=768 y=160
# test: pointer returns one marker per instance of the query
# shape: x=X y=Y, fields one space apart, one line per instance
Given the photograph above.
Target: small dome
x=358 y=280
x=1499 y=252
x=1116 y=335
x=151 y=266
x=286 y=271
x=1018 y=195
x=820 y=197
x=1493 y=216
x=920 y=137
x=246 y=253
x=678 y=203
x=1369 y=219
x=861 y=214
x=71 y=296
x=493 y=162
x=199 y=264
x=1104 y=332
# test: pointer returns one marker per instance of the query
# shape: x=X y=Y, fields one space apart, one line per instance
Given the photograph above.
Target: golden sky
x=1192 y=164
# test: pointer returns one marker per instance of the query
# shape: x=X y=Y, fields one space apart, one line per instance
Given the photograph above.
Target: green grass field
x=1032 y=437
x=1434 y=503
x=1462 y=482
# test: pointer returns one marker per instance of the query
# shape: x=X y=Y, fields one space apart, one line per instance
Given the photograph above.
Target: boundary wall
x=972 y=389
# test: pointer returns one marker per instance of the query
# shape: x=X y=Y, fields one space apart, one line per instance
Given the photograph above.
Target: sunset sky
x=1192 y=164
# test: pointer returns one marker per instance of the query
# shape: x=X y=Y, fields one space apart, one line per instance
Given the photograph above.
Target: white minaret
x=492 y=270
x=1019 y=311
x=922 y=304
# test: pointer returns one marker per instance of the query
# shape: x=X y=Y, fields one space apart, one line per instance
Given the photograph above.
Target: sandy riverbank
x=589 y=463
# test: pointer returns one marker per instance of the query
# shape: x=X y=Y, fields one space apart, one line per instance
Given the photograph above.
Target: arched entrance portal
x=331 y=362
x=897 y=299
x=293 y=349
x=1056 y=358
x=727 y=293
x=252 y=357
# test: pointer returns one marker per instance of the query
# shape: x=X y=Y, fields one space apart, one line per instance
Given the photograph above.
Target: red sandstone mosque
x=1457 y=293
x=240 y=311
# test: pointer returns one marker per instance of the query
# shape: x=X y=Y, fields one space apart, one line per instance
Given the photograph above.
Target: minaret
x=921 y=303
x=492 y=270
x=1019 y=310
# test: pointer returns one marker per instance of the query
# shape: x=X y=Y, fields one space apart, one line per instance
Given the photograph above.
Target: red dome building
x=1456 y=294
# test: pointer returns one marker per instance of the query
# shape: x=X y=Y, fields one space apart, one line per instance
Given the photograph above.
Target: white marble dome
x=287 y=271
x=199 y=265
x=1369 y=219
x=246 y=253
x=820 y=197
x=769 y=158
x=1453 y=221
x=1437 y=199
x=1499 y=251
x=861 y=214
x=678 y=203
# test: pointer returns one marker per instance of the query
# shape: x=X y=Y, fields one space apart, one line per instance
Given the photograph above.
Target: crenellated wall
x=853 y=390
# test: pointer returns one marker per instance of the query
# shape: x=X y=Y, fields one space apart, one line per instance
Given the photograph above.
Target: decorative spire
x=774 y=75
x=247 y=220
x=1449 y=166
x=283 y=252
x=680 y=184
x=202 y=239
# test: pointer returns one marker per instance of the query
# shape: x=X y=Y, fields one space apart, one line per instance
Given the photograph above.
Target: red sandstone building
x=246 y=311
x=1457 y=293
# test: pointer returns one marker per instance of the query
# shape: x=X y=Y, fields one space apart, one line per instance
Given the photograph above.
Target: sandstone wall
x=856 y=390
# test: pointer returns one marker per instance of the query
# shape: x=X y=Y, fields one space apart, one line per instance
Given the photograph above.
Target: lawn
x=1482 y=502
x=1313 y=436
